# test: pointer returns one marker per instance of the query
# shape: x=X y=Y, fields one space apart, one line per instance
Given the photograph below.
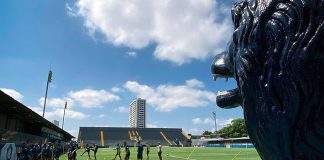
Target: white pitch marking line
x=237 y=155
x=191 y=152
x=178 y=157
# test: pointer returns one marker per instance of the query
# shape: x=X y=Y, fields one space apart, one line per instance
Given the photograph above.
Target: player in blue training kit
x=87 y=149
x=139 y=151
x=127 y=151
x=95 y=149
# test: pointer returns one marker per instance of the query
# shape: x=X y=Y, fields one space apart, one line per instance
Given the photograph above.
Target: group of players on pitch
x=140 y=149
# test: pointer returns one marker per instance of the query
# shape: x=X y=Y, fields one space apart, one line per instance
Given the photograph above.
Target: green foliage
x=236 y=129
x=206 y=133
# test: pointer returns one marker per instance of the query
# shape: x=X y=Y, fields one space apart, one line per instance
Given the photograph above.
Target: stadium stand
x=241 y=142
x=165 y=138
x=177 y=138
x=114 y=135
x=19 y=123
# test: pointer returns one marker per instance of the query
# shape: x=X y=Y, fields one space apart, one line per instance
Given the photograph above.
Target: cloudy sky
x=106 y=53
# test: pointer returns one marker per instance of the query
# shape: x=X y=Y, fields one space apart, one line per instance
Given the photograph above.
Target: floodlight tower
x=49 y=80
x=64 y=113
x=214 y=115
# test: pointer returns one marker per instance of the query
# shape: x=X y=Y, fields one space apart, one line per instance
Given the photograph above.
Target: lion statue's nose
x=221 y=66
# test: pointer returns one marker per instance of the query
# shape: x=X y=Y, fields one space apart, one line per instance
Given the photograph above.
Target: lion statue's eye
x=237 y=12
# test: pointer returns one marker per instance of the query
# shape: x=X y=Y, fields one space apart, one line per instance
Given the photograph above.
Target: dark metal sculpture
x=276 y=55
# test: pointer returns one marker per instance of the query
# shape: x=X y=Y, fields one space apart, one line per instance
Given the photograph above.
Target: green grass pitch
x=175 y=153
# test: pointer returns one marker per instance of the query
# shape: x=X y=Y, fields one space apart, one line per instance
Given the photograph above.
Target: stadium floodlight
x=214 y=115
x=64 y=113
x=49 y=80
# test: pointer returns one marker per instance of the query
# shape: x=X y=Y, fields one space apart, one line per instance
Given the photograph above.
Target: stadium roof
x=17 y=110
x=222 y=139
x=127 y=128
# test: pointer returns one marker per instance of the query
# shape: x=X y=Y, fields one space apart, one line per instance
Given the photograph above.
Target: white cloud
x=122 y=109
x=12 y=93
x=89 y=98
x=149 y=125
x=101 y=116
x=57 y=102
x=195 y=83
x=195 y=131
x=69 y=114
x=52 y=85
x=183 y=30
x=196 y=121
x=73 y=132
x=58 y=113
x=37 y=110
x=166 y=98
x=208 y=121
x=153 y=125
x=132 y=54
x=70 y=10
x=224 y=122
x=116 y=89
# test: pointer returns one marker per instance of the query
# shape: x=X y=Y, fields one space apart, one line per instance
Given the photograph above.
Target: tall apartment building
x=137 y=112
x=56 y=122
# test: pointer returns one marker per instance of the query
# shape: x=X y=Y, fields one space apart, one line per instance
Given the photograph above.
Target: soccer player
x=87 y=149
x=72 y=152
x=48 y=149
x=56 y=150
x=159 y=147
x=127 y=151
x=95 y=149
x=117 y=151
x=139 y=151
x=24 y=151
x=147 y=151
x=33 y=151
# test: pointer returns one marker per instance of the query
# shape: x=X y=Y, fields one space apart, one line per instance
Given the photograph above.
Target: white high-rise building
x=137 y=112
x=56 y=122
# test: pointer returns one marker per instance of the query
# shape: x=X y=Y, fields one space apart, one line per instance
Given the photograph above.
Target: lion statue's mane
x=276 y=55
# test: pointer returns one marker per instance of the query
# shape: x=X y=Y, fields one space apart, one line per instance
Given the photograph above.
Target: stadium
x=134 y=80
x=21 y=127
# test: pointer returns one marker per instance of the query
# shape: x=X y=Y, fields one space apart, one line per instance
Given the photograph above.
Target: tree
x=206 y=133
x=236 y=129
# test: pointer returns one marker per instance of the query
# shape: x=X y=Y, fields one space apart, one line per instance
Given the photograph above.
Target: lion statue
x=276 y=56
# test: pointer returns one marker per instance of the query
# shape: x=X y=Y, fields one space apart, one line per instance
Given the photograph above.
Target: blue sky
x=104 y=54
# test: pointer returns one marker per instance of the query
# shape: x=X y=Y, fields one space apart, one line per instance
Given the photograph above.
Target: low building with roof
x=18 y=123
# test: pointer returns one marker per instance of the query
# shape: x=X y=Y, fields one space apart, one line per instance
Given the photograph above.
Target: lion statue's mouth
x=221 y=68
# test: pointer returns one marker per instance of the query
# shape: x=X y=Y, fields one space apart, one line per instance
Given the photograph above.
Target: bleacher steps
x=165 y=138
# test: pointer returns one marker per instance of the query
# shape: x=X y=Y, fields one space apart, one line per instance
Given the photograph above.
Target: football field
x=175 y=153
